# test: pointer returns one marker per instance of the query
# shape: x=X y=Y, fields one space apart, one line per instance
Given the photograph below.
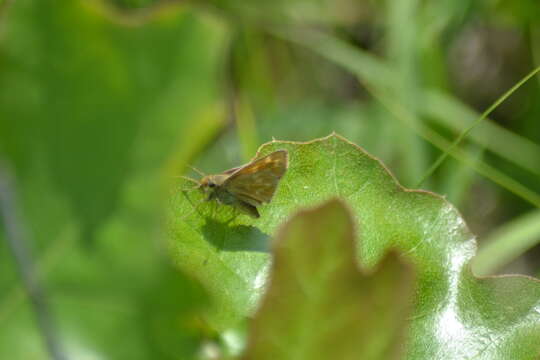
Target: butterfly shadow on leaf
x=225 y=237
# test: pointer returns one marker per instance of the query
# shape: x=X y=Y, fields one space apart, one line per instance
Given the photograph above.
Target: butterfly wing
x=256 y=182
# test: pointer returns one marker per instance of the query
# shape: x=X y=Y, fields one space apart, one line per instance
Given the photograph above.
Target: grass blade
x=507 y=243
x=378 y=79
x=484 y=115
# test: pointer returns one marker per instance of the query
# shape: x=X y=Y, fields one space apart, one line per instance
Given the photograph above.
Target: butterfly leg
x=248 y=209
x=214 y=211
x=189 y=189
x=195 y=207
x=234 y=215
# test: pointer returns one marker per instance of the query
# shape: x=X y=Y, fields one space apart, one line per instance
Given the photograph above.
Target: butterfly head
x=210 y=182
x=206 y=183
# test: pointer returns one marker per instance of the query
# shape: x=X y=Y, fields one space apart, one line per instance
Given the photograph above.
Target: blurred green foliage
x=92 y=113
x=103 y=102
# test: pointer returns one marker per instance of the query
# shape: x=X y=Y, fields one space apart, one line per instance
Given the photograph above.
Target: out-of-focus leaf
x=93 y=113
x=77 y=89
x=507 y=243
x=402 y=48
x=319 y=306
x=456 y=315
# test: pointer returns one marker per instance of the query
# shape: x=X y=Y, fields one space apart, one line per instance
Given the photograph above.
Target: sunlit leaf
x=455 y=316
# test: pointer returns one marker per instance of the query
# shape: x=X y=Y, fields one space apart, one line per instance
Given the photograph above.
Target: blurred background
x=102 y=103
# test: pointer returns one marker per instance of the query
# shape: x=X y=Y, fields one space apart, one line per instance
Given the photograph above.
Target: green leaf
x=455 y=315
x=78 y=89
x=93 y=113
x=319 y=305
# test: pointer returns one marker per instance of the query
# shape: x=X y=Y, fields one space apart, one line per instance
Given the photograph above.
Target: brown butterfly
x=248 y=186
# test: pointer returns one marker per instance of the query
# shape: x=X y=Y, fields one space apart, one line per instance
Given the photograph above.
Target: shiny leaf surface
x=455 y=316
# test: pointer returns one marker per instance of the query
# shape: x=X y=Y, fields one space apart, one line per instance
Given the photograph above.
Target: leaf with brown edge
x=456 y=315
x=319 y=305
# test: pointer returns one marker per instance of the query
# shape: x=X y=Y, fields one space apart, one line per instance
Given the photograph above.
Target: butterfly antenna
x=197 y=184
x=187 y=178
x=197 y=170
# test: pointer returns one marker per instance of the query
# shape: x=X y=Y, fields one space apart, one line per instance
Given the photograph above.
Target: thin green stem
x=18 y=241
x=484 y=169
x=465 y=132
